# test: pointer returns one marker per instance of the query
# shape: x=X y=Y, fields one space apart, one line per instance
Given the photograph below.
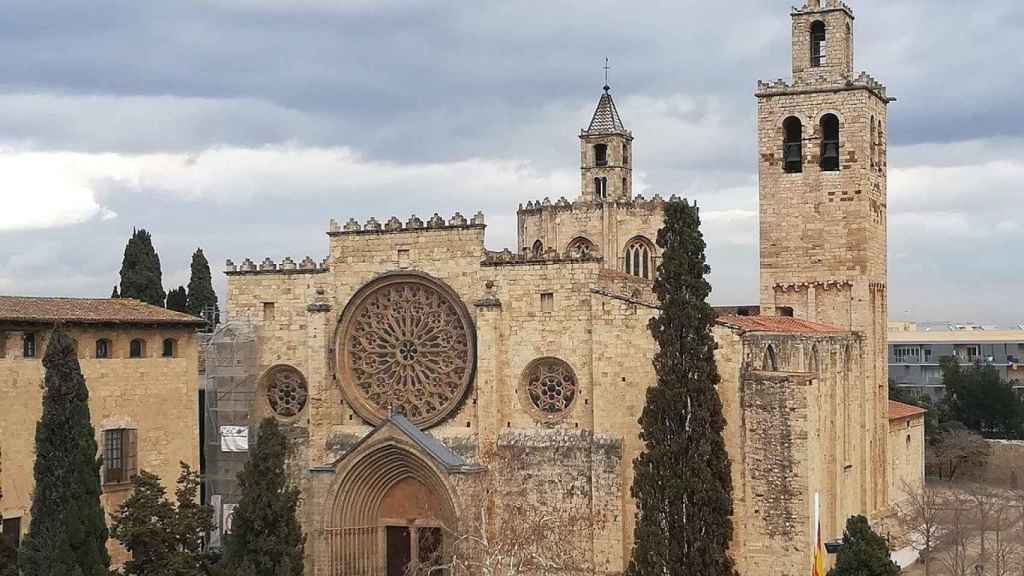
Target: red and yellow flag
x=819 y=556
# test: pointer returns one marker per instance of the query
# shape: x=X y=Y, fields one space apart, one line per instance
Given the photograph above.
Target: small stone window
x=103 y=348
x=28 y=343
x=537 y=251
x=170 y=348
x=770 y=362
x=268 y=311
x=829 y=143
x=137 y=348
x=639 y=258
x=119 y=455
x=819 y=44
x=547 y=302
x=601 y=188
x=549 y=389
x=286 y=391
x=792 y=147
x=600 y=154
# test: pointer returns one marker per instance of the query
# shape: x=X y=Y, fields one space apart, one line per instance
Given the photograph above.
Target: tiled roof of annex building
x=899 y=410
x=776 y=324
x=606 y=118
x=88 y=311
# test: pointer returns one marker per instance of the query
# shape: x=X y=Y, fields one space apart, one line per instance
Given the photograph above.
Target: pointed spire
x=606 y=118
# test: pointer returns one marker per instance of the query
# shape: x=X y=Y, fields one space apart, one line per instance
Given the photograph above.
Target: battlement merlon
x=287 y=266
x=817 y=7
x=413 y=224
x=863 y=81
x=637 y=202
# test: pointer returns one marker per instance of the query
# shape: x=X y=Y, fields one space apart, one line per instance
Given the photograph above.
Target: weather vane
x=606 y=69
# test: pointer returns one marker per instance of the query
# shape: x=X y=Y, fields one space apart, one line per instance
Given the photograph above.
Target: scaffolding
x=229 y=387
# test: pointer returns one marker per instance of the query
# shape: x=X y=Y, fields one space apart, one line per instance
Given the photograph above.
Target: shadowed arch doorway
x=391 y=508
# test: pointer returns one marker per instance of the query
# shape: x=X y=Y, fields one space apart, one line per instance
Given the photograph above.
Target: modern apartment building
x=914 y=355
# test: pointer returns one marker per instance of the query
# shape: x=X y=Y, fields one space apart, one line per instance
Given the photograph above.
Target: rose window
x=407 y=347
x=550 y=386
x=286 y=391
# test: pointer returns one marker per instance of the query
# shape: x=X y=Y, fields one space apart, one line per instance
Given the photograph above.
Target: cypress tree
x=164 y=540
x=8 y=559
x=141 y=277
x=266 y=539
x=201 y=296
x=863 y=552
x=67 y=534
x=114 y=294
x=176 y=299
x=682 y=482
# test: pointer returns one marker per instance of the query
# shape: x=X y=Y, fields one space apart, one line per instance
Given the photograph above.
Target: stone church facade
x=434 y=389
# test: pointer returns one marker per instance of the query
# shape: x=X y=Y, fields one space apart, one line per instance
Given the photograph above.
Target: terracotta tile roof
x=898 y=410
x=777 y=324
x=88 y=311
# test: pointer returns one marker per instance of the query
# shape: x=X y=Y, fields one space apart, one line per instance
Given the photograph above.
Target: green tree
x=201 y=296
x=863 y=552
x=8 y=559
x=266 y=539
x=67 y=535
x=176 y=299
x=682 y=483
x=114 y=294
x=164 y=539
x=141 y=277
x=980 y=399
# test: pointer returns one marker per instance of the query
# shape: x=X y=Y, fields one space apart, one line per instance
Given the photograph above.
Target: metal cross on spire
x=606 y=69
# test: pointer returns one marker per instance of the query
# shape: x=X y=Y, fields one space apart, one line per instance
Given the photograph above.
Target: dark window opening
x=538 y=249
x=819 y=44
x=830 y=143
x=600 y=154
x=601 y=188
x=793 y=152
x=770 y=362
x=785 y=311
x=169 y=348
x=29 y=345
x=625 y=154
x=103 y=348
x=136 y=349
x=119 y=456
x=11 y=531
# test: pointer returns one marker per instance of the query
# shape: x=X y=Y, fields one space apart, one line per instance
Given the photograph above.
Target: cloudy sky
x=242 y=126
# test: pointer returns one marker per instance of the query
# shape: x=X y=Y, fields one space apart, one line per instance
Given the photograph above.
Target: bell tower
x=606 y=155
x=822 y=195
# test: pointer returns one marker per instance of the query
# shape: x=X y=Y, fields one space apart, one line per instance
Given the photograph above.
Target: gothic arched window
x=770 y=362
x=829 y=143
x=601 y=188
x=819 y=44
x=137 y=348
x=639 y=258
x=538 y=249
x=792 y=148
x=103 y=348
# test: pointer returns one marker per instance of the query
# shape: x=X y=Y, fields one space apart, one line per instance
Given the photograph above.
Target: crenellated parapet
x=413 y=224
x=862 y=81
x=638 y=202
x=268 y=266
x=507 y=257
x=822 y=6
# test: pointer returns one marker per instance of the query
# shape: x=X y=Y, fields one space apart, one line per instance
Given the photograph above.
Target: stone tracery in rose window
x=286 y=391
x=551 y=388
x=407 y=348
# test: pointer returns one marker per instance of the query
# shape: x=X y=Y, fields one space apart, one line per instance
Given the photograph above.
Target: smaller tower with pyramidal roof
x=606 y=154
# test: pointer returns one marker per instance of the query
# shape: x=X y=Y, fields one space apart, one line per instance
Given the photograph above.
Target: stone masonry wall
x=157 y=396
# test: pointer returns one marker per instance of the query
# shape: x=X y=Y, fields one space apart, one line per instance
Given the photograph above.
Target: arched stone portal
x=391 y=507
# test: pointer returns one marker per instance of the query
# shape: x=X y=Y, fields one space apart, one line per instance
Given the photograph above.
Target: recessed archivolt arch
x=770 y=362
x=367 y=480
